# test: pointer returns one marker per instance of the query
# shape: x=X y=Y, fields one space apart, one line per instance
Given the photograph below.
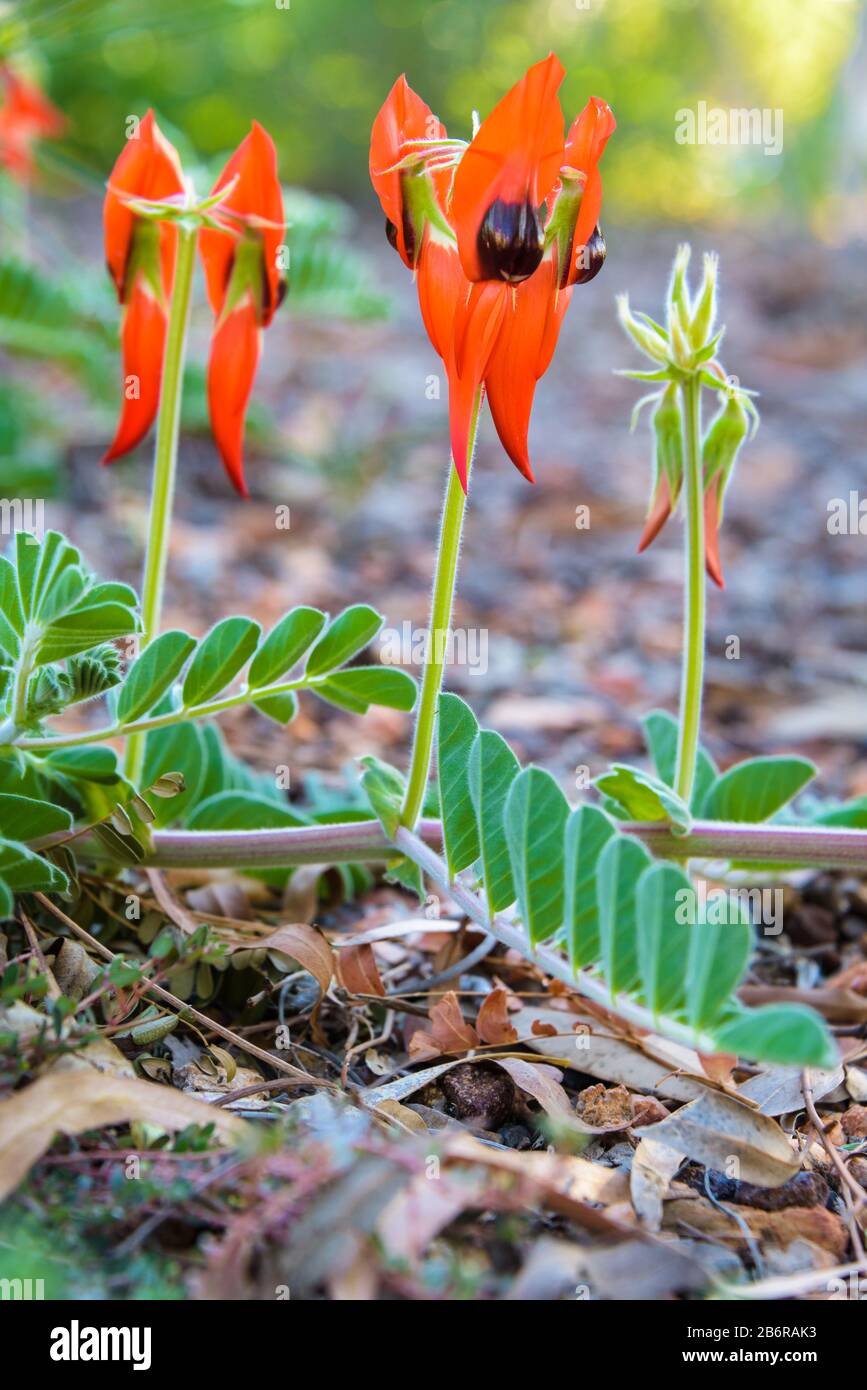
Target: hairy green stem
x=165 y=461
x=692 y=678
x=442 y=603
x=365 y=841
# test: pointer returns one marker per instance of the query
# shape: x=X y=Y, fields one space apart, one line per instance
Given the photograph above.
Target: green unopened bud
x=668 y=437
x=679 y=294
x=681 y=349
x=704 y=317
x=642 y=334
x=722 y=443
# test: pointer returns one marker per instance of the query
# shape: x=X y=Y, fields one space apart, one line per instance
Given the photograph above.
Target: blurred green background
x=315 y=71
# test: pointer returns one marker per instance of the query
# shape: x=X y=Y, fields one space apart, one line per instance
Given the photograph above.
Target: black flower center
x=510 y=242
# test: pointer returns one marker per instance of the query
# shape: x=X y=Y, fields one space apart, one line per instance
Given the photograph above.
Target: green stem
x=163 y=721
x=165 y=461
x=692 y=679
x=442 y=602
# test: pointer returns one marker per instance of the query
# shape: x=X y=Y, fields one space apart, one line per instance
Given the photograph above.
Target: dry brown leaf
x=653 y=1167
x=72 y=1102
x=493 y=1024
x=542 y=1083
x=565 y=1181
x=814 y=1224
x=716 y=1130
x=854 y=1122
x=304 y=944
x=301 y=894
x=449 y=1029
x=357 y=970
x=654 y=1066
x=426 y=1205
x=837 y=1005
x=777 y=1091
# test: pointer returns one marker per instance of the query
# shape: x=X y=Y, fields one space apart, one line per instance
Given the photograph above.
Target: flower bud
x=704 y=316
x=644 y=337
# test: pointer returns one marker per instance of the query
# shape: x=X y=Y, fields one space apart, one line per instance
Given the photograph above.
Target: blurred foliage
x=315 y=72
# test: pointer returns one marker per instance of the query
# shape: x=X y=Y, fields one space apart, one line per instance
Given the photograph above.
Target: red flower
x=25 y=117
x=245 y=286
x=499 y=232
x=140 y=252
x=240 y=245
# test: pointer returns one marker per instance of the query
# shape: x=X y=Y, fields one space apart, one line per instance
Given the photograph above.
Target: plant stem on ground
x=442 y=603
x=692 y=678
x=165 y=462
x=366 y=841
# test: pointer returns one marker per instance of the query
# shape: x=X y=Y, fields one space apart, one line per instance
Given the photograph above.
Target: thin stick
x=855 y=1196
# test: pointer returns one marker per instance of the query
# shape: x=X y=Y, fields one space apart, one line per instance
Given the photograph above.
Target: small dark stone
x=479 y=1092
x=516 y=1136
x=811 y=925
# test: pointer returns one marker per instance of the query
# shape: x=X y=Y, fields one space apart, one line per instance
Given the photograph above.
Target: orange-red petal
x=232 y=367
x=142 y=343
x=514 y=158
x=660 y=511
x=711 y=537
x=254 y=205
x=147 y=167
x=403 y=116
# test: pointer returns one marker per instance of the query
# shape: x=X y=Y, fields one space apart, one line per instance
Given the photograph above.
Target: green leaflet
x=621 y=864
x=663 y=936
x=754 y=790
x=154 y=672
x=492 y=769
x=384 y=788
x=28 y=819
x=23 y=871
x=535 y=820
x=457 y=728
x=359 y=687
x=285 y=645
x=588 y=830
x=718 y=956
x=220 y=656
x=660 y=732
x=643 y=797
x=344 y=638
x=788 y=1034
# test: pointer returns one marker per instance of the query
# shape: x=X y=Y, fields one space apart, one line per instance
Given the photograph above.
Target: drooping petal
x=711 y=536
x=505 y=175
x=402 y=117
x=523 y=351
x=143 y=338
x=253 y=207
x=232 y=367
x=441 y=283
x=660 y=511
x=148 y=167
